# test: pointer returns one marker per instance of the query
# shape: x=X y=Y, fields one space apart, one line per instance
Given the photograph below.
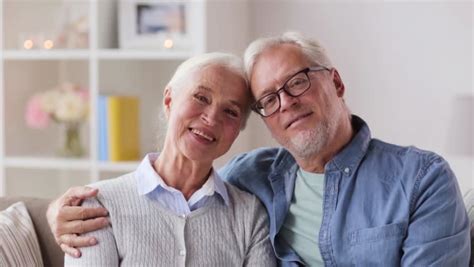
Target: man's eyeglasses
x=295 y=86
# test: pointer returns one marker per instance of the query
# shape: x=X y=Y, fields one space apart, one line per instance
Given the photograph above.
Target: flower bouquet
x=66 y=104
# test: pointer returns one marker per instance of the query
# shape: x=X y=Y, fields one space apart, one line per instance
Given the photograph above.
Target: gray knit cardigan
x=143 y=233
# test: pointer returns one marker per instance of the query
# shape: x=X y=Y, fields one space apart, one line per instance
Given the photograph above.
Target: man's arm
x=67 y=220
x=438 y=232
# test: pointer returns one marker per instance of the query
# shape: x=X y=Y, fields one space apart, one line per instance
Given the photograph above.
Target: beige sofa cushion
x=18 y=242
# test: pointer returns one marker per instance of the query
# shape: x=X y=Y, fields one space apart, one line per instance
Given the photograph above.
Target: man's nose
x=286 y=100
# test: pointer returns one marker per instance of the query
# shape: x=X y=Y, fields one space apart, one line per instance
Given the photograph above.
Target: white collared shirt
x=153 y=186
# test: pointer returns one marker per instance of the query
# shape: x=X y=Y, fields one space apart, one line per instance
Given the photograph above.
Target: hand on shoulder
x=67 y=219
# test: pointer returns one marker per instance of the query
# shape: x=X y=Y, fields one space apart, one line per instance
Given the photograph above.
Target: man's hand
x=66 y=220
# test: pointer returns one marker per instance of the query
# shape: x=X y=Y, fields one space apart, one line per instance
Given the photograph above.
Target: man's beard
x=310 y=142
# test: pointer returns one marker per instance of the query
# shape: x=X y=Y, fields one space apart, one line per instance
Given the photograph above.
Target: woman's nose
x=210 y=116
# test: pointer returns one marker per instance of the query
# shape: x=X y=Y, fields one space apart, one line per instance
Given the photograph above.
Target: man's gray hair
x=227 y=61
x=310 y=47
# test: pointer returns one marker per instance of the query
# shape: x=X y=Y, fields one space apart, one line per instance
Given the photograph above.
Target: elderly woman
x=174 y=210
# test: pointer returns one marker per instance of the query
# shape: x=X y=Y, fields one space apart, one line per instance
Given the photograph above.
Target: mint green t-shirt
x=301 y=227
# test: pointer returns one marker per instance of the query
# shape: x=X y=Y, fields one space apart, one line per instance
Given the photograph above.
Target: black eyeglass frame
x=285 y=88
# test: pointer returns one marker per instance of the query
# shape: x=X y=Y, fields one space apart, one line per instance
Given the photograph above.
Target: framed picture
x=161 y=24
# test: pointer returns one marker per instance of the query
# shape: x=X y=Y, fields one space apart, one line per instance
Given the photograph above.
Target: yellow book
x=123 y=128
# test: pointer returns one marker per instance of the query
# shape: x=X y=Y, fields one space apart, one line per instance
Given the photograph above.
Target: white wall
x=404 y=65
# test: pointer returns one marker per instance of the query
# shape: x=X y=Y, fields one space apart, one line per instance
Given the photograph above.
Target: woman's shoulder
x=246 y=209
x=242 y=200
x=121 y=187
x=114 y=184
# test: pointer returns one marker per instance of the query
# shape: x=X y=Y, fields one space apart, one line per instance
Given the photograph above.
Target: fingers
x=78 y=241
x=75 y=195
x=80 y=213
x=80 y=227
x=65 y=218
x=73 y=252
x=82 y=191
x=69 y=242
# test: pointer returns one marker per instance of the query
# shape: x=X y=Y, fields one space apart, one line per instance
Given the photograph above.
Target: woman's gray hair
x=188 y=67
x=310 y=47
x=228 y=61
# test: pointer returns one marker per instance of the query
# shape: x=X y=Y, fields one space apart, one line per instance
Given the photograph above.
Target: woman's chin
x=201 y=156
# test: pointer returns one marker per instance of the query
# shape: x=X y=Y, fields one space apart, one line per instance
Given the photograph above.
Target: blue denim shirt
x=384 y=205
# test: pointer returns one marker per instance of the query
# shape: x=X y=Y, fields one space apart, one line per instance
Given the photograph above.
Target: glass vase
x=71 y=146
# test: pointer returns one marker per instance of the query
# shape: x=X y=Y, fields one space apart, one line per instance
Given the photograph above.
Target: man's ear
x=167 y=99
x=336 y=78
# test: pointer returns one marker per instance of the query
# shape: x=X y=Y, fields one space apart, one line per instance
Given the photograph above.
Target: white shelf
x=68 y=164
x=142 y=54
x=45 y=54
x=103 y=68
x=47 y=163
x=126 y=166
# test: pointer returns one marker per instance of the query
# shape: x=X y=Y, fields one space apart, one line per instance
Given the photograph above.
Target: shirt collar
x=346 y=160
x=148 y=180
x=220 y=187
x=350 y=156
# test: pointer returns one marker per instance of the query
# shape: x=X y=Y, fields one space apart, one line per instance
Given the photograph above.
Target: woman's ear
x=167 y=99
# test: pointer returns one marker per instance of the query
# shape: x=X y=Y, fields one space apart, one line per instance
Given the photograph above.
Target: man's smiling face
x=305 y=124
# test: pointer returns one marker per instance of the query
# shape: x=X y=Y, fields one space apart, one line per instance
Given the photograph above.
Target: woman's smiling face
x=205 y=115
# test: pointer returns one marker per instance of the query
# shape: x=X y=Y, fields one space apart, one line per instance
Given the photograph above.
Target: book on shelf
x=102 y=118
x=119 y=137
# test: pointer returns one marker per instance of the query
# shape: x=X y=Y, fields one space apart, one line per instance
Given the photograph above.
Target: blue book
x=102 y=119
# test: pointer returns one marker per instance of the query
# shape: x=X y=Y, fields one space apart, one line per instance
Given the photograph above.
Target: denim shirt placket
x=331 y=191
x=282 y=181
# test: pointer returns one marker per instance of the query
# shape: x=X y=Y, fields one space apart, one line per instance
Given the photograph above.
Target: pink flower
x=83 y=93
x=35 y=116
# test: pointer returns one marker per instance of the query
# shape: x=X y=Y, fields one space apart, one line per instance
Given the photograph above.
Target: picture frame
x=168 y=25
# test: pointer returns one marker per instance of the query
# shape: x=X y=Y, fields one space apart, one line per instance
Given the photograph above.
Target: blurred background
x=82 y=81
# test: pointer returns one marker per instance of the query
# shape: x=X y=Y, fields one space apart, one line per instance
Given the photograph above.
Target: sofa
x=50 y=251
x=53 y=256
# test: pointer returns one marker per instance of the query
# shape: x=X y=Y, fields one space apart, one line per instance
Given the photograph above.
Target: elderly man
x=334 y=195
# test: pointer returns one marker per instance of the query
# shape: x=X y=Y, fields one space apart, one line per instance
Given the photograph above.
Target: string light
x=48 y=44
x=168 y=43
x=28 y=44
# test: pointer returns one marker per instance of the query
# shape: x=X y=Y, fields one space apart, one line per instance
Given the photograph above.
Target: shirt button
x=182 y=252
x=347 y=170
x=183 y=216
